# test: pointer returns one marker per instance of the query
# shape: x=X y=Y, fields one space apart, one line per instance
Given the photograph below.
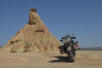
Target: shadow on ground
x=61 y=59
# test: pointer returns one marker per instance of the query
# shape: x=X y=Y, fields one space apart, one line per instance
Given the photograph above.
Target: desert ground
x=84 y=59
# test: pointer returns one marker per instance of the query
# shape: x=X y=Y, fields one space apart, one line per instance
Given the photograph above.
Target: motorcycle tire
x=71 y=57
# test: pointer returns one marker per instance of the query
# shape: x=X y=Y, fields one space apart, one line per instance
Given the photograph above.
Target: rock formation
x=33 y=37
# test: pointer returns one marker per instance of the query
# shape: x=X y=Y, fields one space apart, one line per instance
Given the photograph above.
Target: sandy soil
x=84 y=59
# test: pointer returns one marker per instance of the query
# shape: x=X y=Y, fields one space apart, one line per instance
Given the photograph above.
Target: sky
x=82 y=17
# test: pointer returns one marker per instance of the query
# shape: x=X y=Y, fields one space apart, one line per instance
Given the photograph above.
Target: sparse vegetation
x=12 y=42
x=13 y=51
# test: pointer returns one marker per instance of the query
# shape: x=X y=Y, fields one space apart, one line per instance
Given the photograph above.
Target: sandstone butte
x=33 y=37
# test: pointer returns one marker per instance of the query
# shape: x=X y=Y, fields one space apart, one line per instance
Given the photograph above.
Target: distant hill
x=91 y=49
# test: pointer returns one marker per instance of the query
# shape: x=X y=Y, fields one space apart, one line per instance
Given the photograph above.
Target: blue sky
x=82 y=17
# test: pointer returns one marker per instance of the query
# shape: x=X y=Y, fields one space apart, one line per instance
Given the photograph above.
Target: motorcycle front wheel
x=71 y=57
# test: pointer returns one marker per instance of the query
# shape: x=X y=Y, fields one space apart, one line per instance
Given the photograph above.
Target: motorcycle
x=69 y=47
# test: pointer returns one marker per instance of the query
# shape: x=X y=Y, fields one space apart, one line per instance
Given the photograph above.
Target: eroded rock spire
x=33 y=37
x=33 y=16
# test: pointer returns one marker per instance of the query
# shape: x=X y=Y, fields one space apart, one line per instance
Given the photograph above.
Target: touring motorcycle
x=69 y=47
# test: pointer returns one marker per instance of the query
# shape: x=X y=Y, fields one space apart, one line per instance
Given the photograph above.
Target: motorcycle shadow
x=61 y=59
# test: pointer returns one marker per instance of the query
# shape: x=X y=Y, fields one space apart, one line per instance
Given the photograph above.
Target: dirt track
x=84 y=59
